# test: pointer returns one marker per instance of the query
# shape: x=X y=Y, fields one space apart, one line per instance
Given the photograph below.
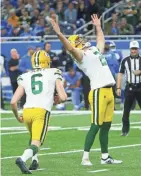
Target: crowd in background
x=32 y=17
x=75 y=81
x=125 y=20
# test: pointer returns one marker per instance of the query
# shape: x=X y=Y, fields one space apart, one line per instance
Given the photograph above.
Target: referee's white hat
x=134 y=44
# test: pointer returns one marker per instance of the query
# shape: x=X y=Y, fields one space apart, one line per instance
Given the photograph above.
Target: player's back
x=39 y=87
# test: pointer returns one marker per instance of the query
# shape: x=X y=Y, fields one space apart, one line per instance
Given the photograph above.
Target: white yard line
x=45 y=148
x=49 y=129
x=19 y=132
x=76 y=151
x=70 y=112
x=57 y=128
x=52 y=115
x=38 y=169
x=18 y=128
x=102 y=170
x=7 y=118
x=132 y=123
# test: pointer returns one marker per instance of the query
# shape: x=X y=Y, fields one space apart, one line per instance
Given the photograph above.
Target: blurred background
x=26 y=28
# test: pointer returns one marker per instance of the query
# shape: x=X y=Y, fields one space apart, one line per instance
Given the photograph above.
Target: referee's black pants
x=23 y=99
x=132 y=92
x=14 y=86
x=86 y=89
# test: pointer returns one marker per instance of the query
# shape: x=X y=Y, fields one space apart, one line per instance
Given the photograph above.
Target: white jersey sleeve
x=58 y=74
x=20 y=80
x=1 y=64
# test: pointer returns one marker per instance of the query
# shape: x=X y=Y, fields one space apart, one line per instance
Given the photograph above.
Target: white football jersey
x=39 y=87
x=94 y=65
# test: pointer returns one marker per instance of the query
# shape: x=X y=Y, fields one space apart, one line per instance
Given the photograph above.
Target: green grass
x=68 y=164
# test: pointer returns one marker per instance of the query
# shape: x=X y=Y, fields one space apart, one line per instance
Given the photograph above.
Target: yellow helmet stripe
x=36 y=59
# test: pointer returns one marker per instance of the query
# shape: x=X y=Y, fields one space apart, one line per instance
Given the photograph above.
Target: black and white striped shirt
x=128 y=65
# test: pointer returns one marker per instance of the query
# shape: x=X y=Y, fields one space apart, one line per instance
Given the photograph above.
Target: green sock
x=29 y=143
x=103 y=136
x=29 y=152
x=34 y=148
x=90 y=137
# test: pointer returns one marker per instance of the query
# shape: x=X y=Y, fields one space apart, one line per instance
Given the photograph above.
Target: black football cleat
x=34 y=165
x=22 y=165
x=124 y=134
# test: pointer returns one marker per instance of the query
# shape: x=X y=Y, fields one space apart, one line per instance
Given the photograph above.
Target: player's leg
x=123 y=84
x=138 y=97
x=94 y=99
x=86 y=89
x=129 y=99
x=76 y=97
x=105 y=127
x=39 y=130
x=20 y=161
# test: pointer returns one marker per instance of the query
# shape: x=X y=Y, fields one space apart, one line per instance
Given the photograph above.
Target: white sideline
x=74 y=112
x=102 y=170
x=76 y=151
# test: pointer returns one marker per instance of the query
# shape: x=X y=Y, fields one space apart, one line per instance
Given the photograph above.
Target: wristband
x=118 y=88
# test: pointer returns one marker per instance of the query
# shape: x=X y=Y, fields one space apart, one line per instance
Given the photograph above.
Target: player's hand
x=20 y=119
x=95 y=20
x=55 y=26
x=57 y=100
x=136 y=72
x=118 y=92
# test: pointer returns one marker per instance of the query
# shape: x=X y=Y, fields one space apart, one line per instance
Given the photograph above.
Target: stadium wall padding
x=55 y=46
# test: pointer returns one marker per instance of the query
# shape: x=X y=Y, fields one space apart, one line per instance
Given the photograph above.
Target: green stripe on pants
x=96 y=106
x=44 y=131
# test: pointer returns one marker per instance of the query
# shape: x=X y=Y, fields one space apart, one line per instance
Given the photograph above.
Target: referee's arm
x=119 y=77
x=137 y=72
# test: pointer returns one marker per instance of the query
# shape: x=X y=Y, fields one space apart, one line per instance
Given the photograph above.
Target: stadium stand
x=26 y=23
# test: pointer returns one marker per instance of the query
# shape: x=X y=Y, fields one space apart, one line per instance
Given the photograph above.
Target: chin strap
x=86 y=45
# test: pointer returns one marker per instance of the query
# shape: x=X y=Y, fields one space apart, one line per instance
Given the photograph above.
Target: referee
x=131 y=66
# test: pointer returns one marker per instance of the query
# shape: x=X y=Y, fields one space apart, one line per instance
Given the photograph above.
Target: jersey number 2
x=36 y=86
x=101 y=58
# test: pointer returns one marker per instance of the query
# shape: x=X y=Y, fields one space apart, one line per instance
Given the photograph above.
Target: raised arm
x=100 y=40
x=77 y=54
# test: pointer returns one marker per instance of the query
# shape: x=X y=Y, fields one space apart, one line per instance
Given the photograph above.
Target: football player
x=39 y=86
x=91 y=61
